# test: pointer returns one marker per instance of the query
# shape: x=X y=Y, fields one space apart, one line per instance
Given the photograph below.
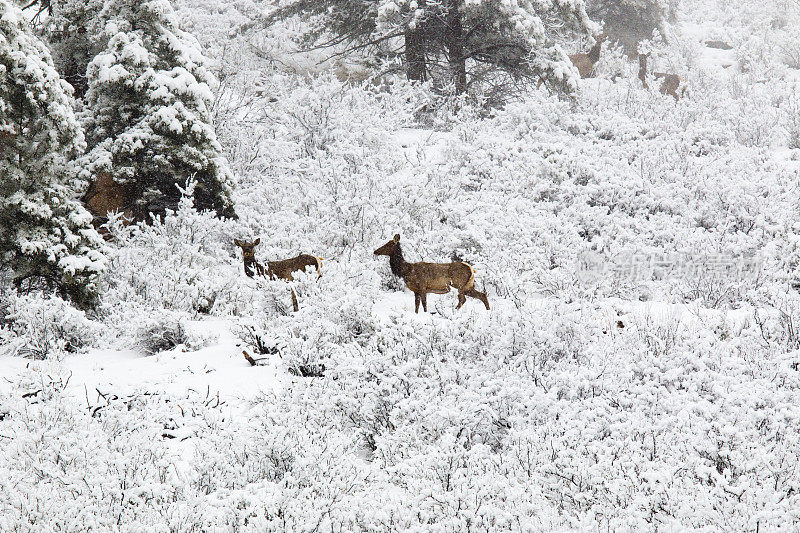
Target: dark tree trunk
x=78 y=81
x=416 y=68
x=454 y=43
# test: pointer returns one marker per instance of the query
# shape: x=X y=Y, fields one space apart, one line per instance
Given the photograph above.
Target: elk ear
x=237 y=242
x=397 y=237
x=255 y=242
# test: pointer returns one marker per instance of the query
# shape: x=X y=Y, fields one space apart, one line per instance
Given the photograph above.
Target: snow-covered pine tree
x=518 y=38
x=628 y=22
x=454 y=41
x=147 y=115
x=71 y=32
x=46 y=237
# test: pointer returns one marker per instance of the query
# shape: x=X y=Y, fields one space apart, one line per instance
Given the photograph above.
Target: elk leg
x=478 y=295
x=424 y=297
x=294 y=301
x=416 y=302
x=461 y=300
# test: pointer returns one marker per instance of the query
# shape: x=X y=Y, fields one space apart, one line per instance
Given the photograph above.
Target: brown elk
x=670 y=82
x=585 y=62
x=438 y=278
x=283 y=269
x=105 y=196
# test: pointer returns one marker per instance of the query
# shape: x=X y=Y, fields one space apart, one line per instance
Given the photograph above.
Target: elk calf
x=283 y=269
x=438 y=278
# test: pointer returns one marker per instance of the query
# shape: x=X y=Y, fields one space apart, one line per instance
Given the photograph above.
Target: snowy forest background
x=639 y=369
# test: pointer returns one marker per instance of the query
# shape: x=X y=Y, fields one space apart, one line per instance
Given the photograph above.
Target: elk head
x=249 y=257
x=248 y=248
x=390 y=247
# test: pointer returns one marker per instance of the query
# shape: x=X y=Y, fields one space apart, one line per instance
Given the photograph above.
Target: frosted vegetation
x=45 y=234
x=148 y=95
x=596 y=395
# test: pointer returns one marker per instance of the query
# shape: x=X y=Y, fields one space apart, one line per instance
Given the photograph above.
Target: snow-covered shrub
x=779 y=318
x=116 y=451
x=161 y=333
x=181 y=261
x=788 y=45
x=332 y=313
x=792 y=116
x=123 y=460
x=42 y=326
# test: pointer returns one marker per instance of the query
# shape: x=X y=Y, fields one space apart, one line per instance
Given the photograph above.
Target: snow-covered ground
x=219 y=368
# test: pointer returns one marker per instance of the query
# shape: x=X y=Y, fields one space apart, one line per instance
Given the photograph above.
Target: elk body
x=670 y=82
x=585 y=62
x=437 y=278
x=106 y=196
x=283 y=269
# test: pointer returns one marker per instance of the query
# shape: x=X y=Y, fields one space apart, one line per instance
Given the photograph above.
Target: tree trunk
x=416 y=68
x=454 y=43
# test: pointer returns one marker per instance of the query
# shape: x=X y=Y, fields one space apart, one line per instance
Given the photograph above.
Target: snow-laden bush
x=553 y=418
x=145 y=461
x=333 y=312
x=43 y=326
x=478 y=417
x=132 y=475
x=161 y=333
x=178 y=262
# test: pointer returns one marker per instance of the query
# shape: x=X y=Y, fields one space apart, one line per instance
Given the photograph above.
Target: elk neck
x=594 y=52
x=249 y=264
x=397 y=263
